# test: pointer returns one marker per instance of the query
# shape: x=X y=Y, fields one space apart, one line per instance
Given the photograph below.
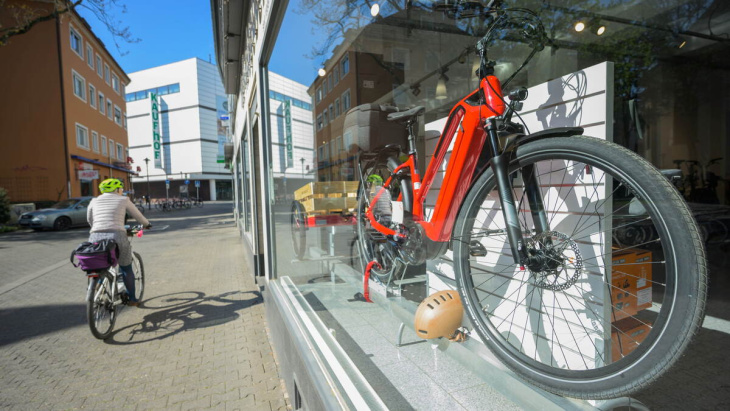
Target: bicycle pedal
x=476 y=249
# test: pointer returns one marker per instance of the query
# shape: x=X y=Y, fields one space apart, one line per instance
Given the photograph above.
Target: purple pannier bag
x=95 y=256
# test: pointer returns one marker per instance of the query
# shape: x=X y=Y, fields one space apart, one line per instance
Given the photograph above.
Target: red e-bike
x=527 y=223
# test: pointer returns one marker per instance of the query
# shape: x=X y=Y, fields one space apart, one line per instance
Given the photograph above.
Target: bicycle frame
x=470 y=124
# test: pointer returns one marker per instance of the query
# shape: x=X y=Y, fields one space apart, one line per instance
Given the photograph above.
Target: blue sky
x=174 y=30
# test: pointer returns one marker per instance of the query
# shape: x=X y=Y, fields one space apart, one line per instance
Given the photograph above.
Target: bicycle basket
x=95 y=256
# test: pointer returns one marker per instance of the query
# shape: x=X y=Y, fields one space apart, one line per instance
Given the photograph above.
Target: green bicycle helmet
x=109 y=185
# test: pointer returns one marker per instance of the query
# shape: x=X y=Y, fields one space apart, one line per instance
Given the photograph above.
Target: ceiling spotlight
x=321 y=72
x=375 y=9
x=441 y=87
x=682 y=44
x=579 y=26
x=600 y=30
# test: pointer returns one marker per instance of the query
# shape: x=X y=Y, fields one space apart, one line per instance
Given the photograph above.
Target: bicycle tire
x=101 y=312
x=298 y=220
x=371 y=246
x=138 y=267
x=539 y=355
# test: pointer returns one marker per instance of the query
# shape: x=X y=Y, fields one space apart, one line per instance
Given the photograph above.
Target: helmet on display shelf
x=439 y=315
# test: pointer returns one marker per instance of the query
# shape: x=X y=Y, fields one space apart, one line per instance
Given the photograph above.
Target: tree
x=4 y=206
x=25 y=14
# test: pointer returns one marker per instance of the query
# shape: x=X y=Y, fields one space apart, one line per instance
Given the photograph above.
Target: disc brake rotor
x=557 y=262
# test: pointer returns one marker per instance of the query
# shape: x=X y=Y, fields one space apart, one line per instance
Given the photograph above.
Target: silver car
x=60 y=216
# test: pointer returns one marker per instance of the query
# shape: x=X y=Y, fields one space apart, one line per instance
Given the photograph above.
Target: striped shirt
x=106 y=213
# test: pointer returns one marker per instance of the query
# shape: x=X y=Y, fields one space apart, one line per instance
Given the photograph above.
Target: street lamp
x=147 y=164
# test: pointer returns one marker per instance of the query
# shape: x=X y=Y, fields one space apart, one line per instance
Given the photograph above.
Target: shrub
x=4 y=206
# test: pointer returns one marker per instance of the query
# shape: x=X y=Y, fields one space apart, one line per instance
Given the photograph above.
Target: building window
x=109 y=109
x=117 y=115
x=111 y=148
x=332 y=112
x=325 y=117
x=76 y=43
x=345 y=101
x=319 y=122
x=92 y=95
x=101 y=103
x=89 y=56
x=324 y=87
x=82 y=136
x=162 y=90
x=345 y=65
x=336 y=74
x=95 y=141
x=318 y=95
x=79 y=85
x=115 y=83
x=106 y=73
x=120 y=152
x=103 y=146
x=98 y=65
x=124 y=117
x=330 y=82
x=337 y=107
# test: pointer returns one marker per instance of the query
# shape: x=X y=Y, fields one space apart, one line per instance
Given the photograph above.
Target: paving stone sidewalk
x=198 y=342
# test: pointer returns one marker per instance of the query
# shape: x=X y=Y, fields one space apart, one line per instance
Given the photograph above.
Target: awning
x=99 y=163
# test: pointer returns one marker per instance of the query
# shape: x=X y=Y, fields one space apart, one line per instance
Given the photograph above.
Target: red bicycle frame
x=466 y=128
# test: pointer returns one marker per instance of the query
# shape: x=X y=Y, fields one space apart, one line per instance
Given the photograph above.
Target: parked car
x=60 y=216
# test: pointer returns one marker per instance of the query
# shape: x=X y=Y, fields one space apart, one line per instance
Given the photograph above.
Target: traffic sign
x=167 y=183
x=187 y=182
x=197 y=183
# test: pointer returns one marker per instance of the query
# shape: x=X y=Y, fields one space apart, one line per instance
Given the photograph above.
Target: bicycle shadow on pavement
x=184 y=311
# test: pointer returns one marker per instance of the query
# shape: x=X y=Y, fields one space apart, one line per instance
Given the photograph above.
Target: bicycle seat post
x=411 y=136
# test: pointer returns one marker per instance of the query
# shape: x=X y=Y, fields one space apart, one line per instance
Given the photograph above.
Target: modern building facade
x=661 y=65
x=291 y=133
x=63 y=115
x=191 y=108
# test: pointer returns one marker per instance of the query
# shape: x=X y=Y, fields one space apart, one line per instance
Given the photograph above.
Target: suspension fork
x=499 y=164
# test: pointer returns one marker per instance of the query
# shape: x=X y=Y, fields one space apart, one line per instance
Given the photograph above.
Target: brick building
x=62 y=110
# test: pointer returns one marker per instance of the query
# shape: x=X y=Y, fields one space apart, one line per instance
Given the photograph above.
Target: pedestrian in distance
x=106 y=217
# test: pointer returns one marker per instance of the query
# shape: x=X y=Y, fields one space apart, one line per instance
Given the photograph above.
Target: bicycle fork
x=500 y=164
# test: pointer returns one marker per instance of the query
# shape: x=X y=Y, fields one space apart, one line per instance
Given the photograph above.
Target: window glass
x=143 y=94
x=92 y=95
x=95 y=141
x=90 y=56
x=76 y=42
x=120 y=152
x=82 y=136
x=79 y=86
x=106 y=73
x=115 y=83
x=111 y=149
x=102 y=103
x=117 y=115
x=109 y=112
x=98 y=65
x=653 y=81
x=103 y=146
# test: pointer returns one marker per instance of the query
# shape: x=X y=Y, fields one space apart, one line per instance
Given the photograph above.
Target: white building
x=292 y=165
x=193 y=127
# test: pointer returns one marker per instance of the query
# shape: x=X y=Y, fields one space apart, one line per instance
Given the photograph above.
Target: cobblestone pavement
x=199 y=340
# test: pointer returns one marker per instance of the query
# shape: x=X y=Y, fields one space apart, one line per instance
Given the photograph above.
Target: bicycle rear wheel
x=590 y=316
x=138 y=267
x=100 y=309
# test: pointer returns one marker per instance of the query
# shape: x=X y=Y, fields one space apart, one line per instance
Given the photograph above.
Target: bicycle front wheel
x=138 y=267
x=616 y=283
x=100 y=309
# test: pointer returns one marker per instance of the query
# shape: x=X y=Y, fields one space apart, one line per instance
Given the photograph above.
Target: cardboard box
x=626 y=336
x=326 y=189
x=631 y=282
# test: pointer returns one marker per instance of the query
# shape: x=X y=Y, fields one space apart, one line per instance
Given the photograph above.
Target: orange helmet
x=439 y=315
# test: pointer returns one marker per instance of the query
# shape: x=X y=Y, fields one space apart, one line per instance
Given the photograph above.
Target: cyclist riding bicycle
x=106 y=217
